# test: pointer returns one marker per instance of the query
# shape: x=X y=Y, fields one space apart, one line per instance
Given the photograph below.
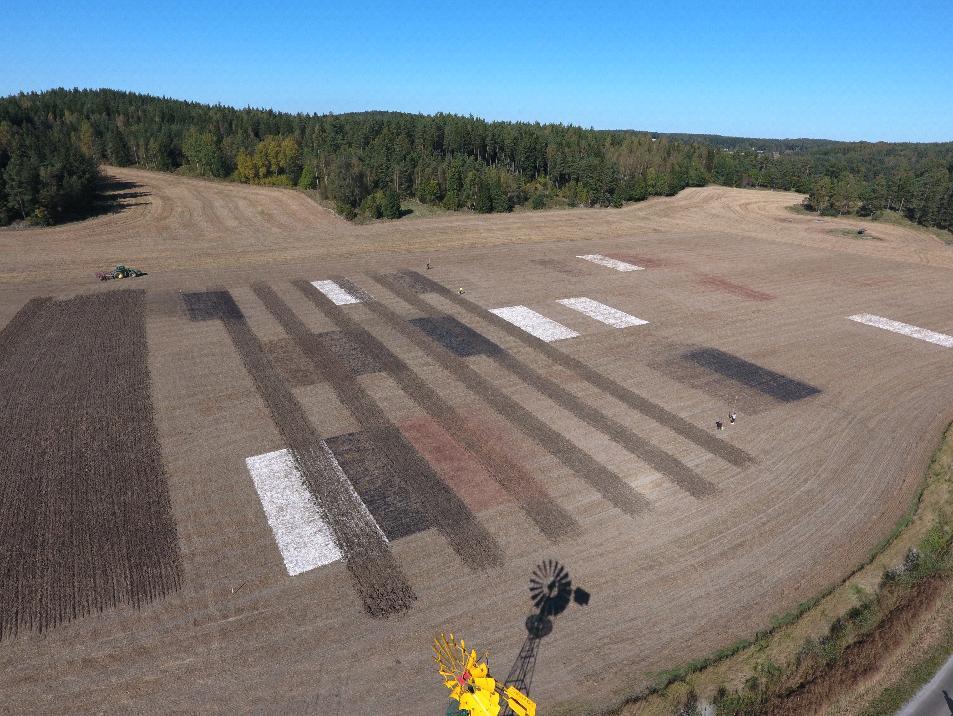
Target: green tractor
x=120 y=272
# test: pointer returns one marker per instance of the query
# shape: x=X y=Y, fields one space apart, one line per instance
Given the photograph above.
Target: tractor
x=119 y=272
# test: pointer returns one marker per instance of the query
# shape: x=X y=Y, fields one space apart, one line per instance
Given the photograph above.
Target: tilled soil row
x=726 y=451
x=444 y=509
x=612 y=487
x=551 y=519
x=377 y=577
x=85 y=517
x=668 y=465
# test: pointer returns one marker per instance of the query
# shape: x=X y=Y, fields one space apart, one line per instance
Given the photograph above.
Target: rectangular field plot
x=375 y=478
x=534 y=323
x=304 y=538
x=338 y=295
x=351 y=353
x=610 y=263
x=765 y=381
x=601 y=312
x=85 y=517
x=456 y=336
x=940 y=339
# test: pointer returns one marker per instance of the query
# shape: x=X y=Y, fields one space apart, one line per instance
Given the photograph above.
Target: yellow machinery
x=470 y=683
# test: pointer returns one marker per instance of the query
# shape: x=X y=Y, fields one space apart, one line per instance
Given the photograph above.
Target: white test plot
x=887 y=324
x=333 y=291
x=611 y=263
x=601 y=312
x=534 y=323
x=303 y=537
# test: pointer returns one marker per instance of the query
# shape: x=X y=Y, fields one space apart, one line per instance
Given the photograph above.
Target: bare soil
x=686 y=538
x=87 y=520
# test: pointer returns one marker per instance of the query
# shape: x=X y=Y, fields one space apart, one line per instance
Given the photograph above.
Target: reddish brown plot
x=456 y=466
x=735 y=289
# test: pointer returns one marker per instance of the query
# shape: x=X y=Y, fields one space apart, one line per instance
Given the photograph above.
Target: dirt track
x=802 y=486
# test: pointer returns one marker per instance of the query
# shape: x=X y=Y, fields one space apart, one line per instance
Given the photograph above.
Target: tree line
x=366 y=163
x=44 y=176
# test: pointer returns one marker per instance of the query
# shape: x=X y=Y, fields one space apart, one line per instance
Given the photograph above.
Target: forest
x=366 y=164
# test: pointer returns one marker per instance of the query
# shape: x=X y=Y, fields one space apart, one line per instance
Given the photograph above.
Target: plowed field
x=227 y=488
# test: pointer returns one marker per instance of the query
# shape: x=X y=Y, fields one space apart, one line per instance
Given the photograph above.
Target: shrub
x=345 y=210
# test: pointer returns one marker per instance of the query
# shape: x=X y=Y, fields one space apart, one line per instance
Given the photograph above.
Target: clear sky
x=831 y=68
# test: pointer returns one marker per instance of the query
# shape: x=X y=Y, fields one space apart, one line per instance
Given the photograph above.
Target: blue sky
x=841 y=70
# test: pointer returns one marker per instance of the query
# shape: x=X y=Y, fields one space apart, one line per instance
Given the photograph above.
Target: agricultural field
x=265 y=475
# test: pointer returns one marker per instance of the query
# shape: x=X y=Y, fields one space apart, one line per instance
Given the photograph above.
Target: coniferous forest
x=366 y=163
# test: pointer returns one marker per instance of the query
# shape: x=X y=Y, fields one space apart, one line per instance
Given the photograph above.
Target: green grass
x=893 y=218
x=413 y=209
x=912 y=679
x=934 y=547
x=896 y=219
x=852 y=234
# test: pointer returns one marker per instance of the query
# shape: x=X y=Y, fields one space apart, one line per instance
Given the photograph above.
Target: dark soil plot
x=393 y=506
x=446 y=511
x=455 y=336
x=658 y=459
x=349 y=353
x=485 y=446
x=630 y=398
x=378 y=579
x=775 y=385
x=85 y=517
x=412 y=281
x=211 y=306
x=608 y=484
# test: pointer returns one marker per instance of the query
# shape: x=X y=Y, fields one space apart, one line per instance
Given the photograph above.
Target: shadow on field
x=113 y=196
x=551 y=591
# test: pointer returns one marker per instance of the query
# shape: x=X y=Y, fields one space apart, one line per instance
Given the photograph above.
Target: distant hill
x=366 y=162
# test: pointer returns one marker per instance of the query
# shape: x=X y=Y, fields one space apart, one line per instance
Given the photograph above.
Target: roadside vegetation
x=807 y=659
x=368 y=165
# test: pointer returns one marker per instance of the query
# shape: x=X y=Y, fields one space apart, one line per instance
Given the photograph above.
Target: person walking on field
x=731 y=418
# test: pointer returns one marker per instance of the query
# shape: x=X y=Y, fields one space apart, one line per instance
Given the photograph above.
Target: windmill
x=551 y=591
x=467 y=675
